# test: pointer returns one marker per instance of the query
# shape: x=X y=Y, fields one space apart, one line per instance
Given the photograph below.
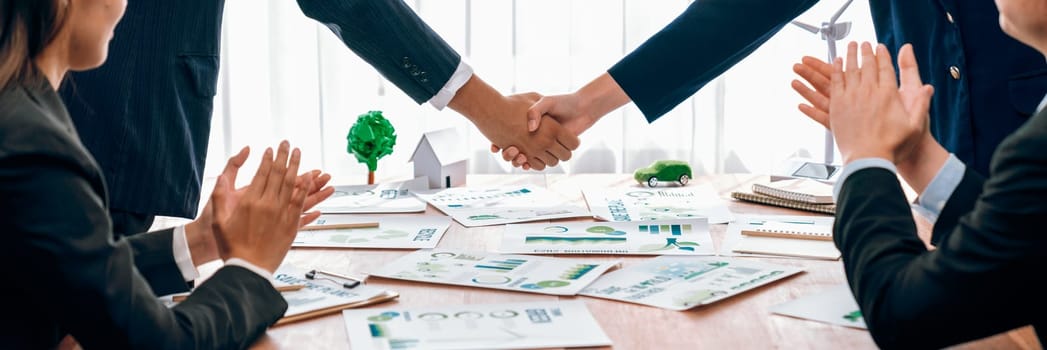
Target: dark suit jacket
x=1000 y=80
x=69 y=276
x=985 y=275
x=145 y=114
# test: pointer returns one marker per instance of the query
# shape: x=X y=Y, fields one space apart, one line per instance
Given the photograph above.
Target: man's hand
x=866 y=112
x=502 y=119
x=199 y=233
x=576 y=112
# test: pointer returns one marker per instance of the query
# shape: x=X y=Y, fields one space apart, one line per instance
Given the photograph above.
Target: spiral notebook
x=800 y=190
x=750 y=196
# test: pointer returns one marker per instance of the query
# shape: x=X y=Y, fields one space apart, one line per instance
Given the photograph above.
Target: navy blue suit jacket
x=998 y=85
x=145 y=114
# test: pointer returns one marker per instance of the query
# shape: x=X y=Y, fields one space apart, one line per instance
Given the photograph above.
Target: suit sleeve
x=978 y=282
x=90 y=285
x=154 y=259
x=699 y=45
x=391 y=38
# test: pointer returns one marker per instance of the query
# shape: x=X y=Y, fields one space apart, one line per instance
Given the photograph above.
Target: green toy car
x=664 y=170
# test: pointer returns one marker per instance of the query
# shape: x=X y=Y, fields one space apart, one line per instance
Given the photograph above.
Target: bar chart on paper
x=663 y=237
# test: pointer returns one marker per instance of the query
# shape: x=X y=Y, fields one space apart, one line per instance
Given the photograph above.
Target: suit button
x=948 y=17
x=406 y=62
x=955 y=72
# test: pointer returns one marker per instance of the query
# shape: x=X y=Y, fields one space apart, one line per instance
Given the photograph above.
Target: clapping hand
x=869 y=113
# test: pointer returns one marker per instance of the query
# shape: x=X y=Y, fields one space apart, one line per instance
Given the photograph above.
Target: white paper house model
x=441 y=156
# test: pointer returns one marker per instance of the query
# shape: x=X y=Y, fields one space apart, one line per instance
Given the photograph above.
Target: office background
x=285 y=76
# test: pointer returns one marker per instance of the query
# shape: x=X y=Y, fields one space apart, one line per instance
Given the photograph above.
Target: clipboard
x=381 y=298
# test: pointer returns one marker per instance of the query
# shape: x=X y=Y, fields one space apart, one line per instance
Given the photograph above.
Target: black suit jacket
x=986 y=274
x=145 y=114
x=69 y=276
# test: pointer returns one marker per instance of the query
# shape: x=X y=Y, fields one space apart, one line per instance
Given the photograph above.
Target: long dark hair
x=26 y=28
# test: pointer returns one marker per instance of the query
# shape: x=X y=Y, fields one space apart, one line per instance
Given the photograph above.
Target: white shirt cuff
x=183 y=258
x=254 y=268
x=860 y=164
x=937 y=193
x=458 y=79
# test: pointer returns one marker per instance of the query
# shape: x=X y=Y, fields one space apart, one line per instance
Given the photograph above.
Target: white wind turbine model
x=830 y=32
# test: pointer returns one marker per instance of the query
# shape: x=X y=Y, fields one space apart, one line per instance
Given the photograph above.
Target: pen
x=353 y=282
x=287 y=288
x=338 y=226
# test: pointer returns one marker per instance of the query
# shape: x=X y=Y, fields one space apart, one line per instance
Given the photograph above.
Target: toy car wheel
x=652 y=182
x=684 y=179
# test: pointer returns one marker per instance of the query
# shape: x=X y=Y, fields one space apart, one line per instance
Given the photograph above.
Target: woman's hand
x=259 y=223
x=199 y=233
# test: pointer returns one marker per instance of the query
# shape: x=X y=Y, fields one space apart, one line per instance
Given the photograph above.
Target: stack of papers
x=501 y=205
x=393 y=232
x=681 y=283
x=394 y=197
x=736 y=244
x=638 y=203
x=494 y=326
x=536 y=274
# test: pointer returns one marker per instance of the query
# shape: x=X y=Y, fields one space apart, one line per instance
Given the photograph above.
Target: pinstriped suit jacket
x=146 y=114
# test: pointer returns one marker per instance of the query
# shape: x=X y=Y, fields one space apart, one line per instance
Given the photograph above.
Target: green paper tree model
x=371 y=138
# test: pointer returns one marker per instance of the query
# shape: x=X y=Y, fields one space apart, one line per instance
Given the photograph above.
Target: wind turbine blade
x=840 y=12
x=807 y=27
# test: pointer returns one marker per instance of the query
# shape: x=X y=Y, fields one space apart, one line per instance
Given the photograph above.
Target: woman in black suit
x=72 y=277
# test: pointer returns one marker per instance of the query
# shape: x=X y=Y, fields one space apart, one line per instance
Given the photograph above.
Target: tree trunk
x=370 y=178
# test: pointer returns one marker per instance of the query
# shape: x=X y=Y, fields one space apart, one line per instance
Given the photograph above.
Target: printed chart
x=393 y=232
x=394 y=197
x=638 y=204
x=536 y=274
x=834 y=306
x=663 y=237
x=491 y=326
x=501 y=205
x=681 y=283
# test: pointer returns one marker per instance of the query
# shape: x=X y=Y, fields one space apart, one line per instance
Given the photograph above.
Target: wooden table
x=740 y=322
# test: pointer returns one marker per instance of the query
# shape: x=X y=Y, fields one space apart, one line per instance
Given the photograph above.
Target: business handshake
x=534 y=131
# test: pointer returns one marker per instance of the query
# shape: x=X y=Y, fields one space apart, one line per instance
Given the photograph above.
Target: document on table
x=484 y=206
x=735 y=244
x=536 y=274
x=393 y=197
x=661 y=237
x=530 y=325
x=834 y=306
x=318 y=297
x=680 y=283
x=639 y=203
x=394 y=232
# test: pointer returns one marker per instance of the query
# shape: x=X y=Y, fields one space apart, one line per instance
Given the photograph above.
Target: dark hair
x=26 y=28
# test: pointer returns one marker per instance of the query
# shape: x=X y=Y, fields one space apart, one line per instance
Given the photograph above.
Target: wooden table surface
x=740 y=322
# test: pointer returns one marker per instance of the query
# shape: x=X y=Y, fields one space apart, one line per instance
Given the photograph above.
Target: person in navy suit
x=987 y=84
x=146 y=114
